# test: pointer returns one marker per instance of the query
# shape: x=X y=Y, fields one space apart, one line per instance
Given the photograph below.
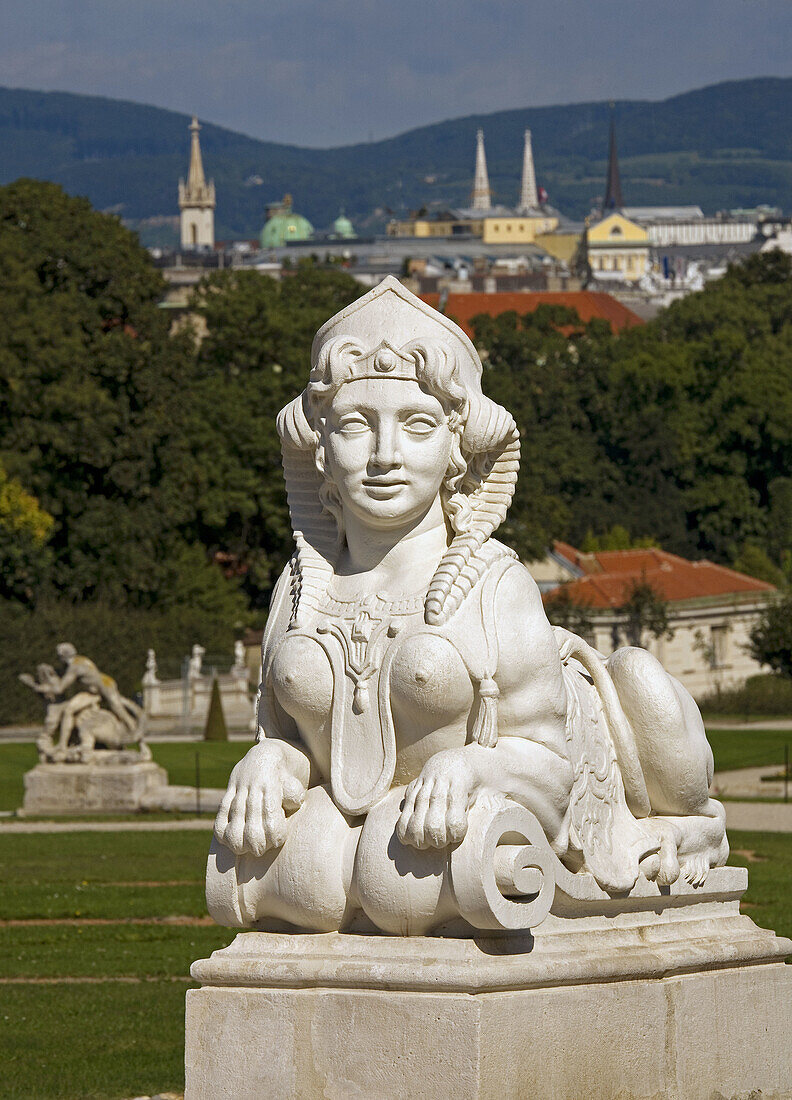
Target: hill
x=722 y=146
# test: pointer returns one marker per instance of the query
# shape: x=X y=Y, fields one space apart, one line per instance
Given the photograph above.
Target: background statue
x=413 y=693
x=195 y=664
x=95 y=715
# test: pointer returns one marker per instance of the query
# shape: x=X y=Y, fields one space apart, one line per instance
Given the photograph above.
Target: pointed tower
x=613 y=191
x=196 y=199
x=529 y=198
x=482 y=196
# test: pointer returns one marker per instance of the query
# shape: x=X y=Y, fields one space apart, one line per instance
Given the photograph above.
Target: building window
x=719 y=641
x=616 y=231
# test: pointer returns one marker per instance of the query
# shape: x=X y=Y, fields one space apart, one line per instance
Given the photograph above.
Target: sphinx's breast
x=302 y=679
x=430 y=686
x=430 y=693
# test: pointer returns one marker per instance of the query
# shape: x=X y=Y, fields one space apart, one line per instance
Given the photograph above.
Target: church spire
x=196 y=181
x=482 y=196
x=613 y=191
x=529 y=198
x=196 y=199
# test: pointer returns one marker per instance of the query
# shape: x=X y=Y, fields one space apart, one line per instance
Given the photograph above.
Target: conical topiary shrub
x=215 y=728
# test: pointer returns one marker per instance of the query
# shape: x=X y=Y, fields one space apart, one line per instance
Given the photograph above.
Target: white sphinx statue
x=432 y=755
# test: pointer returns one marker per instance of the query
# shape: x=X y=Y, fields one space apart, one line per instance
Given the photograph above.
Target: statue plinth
x=110 y=783
x=526 y=819
x=667 y=991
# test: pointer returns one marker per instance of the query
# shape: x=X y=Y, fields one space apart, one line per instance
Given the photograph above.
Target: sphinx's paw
x=434 y=812
x=695 y=868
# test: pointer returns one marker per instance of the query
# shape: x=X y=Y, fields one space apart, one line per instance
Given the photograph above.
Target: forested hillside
x=141 y=496
x=723 y=146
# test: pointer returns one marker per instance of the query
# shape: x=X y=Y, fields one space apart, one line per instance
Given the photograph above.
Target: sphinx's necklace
x=364 y=627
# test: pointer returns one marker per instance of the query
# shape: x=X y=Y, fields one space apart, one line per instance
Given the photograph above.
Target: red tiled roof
x=589 y=304
x=610 y=574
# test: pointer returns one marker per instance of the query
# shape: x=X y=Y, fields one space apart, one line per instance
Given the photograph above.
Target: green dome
x=282 y=228
x=342 y=227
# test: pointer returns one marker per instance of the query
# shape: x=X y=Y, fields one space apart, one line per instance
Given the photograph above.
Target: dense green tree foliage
x=678 y=431
x=89 y=391
x=541 y=369
x=771 y=638
x=141 y=466
x=25 y=529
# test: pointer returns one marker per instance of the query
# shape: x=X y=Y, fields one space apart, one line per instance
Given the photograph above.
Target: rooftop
x=609 y=575
x=662 y=213
x=589 y=304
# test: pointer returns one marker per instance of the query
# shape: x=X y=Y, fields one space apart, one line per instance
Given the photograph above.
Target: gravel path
x=767 y=817
x=759 y=817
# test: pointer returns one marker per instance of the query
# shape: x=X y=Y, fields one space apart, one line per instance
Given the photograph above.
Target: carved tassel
x=485 y=730
x=360 y=697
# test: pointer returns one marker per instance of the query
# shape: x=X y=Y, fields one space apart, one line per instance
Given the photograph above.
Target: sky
x=333 y=72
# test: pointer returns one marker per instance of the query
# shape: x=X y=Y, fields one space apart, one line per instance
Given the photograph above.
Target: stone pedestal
x=666 y=993
x=104 y=786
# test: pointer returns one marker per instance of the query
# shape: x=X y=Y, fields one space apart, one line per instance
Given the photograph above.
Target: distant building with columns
x=196 y=199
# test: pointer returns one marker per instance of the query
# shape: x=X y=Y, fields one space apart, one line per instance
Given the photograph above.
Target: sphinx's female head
x=393 y=416
x=389 y=428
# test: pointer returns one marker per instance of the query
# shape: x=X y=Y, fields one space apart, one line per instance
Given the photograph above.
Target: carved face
x=387 y=446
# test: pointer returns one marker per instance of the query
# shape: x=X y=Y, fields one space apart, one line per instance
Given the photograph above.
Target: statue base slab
x=102 y=787
x=686 y=998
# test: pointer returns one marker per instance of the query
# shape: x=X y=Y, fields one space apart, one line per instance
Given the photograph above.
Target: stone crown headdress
x=389 y=332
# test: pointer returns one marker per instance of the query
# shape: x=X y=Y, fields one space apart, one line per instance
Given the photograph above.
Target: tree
x=538 y=367
x=25 y=529
x=92 y=400
x=698 y=412
x=756 y=563
x=617 y=538
x=771 y=639
x=645 y=612
x=215 y=728
x=563 y=611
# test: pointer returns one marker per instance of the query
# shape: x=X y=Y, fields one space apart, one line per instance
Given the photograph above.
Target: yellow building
x=506 y=228
x=517 y=228
x=443 y=226
x=618 y=249
x=561 y=244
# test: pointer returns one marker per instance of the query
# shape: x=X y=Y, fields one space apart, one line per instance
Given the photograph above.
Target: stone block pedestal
x=98 y=787
x=677 y=996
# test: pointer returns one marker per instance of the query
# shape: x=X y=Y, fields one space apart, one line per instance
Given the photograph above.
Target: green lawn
x=86 y=1041
x=94 y=875
x=99 y=1040
x=216 y=759
x=748 y=748
x=65 y=1033
x=732 y=748
x=768 y=899
x=15 y=760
